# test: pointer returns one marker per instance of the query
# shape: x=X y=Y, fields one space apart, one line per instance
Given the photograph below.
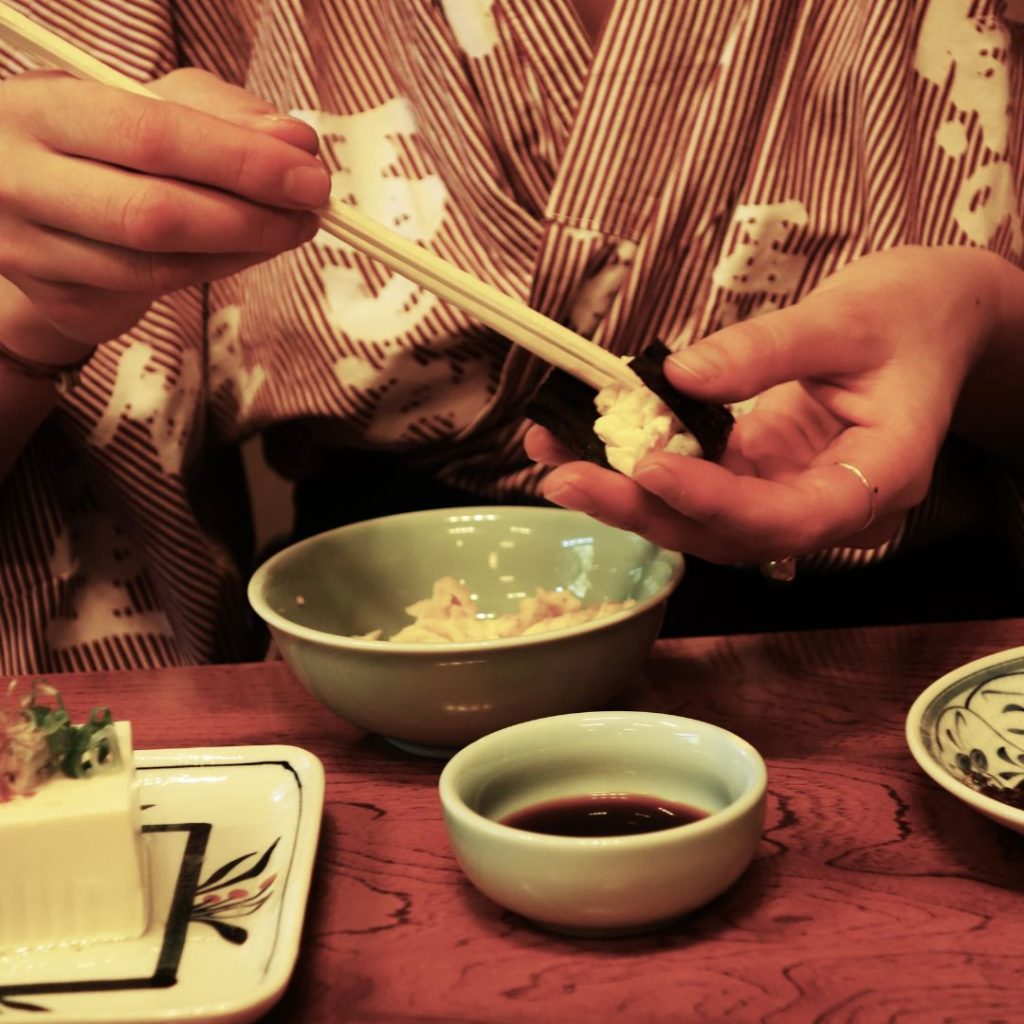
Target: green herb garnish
x=73 y=748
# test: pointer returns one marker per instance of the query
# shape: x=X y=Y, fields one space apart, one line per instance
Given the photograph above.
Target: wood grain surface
x=875 y=896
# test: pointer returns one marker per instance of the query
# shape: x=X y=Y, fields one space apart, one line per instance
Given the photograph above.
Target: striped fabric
x=707 y=162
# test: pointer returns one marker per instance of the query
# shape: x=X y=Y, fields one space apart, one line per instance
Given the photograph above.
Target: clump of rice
x=634 y=422
x=450 y=615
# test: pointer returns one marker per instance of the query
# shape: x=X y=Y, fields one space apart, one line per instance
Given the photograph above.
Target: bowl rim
x=987 y=805
x=258 y=603
x=739 y=808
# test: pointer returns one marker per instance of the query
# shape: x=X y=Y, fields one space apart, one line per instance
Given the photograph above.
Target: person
x=637 y=170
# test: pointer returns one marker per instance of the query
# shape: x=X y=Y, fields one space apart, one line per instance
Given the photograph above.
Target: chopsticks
x=529 y=329
x=49 y=48
x=515 y=320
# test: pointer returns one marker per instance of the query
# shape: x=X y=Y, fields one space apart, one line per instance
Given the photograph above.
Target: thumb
x=800 y=342
x=206 y=92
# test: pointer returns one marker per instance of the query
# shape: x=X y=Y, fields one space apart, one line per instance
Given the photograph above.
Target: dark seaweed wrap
x=565 y=406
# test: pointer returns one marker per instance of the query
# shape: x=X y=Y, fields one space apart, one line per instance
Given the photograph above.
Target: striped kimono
x=706 y=162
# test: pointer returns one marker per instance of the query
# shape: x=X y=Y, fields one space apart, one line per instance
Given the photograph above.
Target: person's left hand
x=864 y=371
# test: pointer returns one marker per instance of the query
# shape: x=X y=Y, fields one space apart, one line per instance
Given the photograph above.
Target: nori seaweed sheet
x=710 y=424
x=565 y=406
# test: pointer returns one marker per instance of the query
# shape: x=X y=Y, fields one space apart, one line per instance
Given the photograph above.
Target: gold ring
x=780 y=570
x=872 y=491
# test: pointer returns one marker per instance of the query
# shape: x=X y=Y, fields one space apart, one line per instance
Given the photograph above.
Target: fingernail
x=568 y=496
x=276 y=117
x=289 y=129
x=652 y=476
x=272 y=121
x=308 y=186
x=696 y=362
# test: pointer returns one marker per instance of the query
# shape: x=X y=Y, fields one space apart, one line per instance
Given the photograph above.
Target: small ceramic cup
x=613 y=884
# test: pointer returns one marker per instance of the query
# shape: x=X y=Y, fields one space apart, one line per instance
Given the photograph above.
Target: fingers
x=704 y=509
x=77 y=284
x=878 y=533
x=614 y=499
x=83 y=315
x=822 y=335
x=149 y=214
x=169 y=140
x=542 y=446
x=24 y=328
x=814 y=509
x=203 y=91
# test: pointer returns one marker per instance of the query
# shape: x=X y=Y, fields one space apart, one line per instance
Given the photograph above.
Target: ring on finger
x=872 y=491
x=783 y=569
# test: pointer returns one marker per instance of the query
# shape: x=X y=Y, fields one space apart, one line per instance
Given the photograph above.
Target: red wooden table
x=875 y=896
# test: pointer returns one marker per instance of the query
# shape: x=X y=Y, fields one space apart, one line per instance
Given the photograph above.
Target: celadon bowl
x=321 y=594
x=608 y=885
x=966 y=731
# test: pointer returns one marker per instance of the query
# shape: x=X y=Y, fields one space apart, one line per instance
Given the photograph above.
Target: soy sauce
x=604 y=814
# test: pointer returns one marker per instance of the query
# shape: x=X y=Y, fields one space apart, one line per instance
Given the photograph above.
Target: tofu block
x=72 y=862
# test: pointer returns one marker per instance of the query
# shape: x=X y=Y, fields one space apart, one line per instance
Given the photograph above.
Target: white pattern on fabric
x=472 y=21
x=103 y=602
x=970 y=54
x=759 y=259
x=144 y=393
x=227 y=362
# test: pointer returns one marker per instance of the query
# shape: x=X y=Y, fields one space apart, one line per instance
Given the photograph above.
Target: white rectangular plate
x=231 y=836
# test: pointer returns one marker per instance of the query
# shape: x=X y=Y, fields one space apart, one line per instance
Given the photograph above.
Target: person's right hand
x=109 y=199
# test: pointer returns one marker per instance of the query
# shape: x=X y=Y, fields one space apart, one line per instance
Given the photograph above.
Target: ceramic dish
x=967 y=732
x=605 y=883
x=320 y=596
x=230 y=834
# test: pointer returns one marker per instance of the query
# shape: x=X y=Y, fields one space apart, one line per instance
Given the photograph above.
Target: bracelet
x=35 y=370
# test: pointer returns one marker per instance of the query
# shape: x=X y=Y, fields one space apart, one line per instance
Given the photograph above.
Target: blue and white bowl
x=967 y=732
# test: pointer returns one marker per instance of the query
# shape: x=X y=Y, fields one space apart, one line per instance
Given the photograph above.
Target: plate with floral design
x=967 y=732
x=230 y=836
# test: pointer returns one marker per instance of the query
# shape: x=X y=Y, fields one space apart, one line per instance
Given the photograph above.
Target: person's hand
x=109 y=200
x=865 y=371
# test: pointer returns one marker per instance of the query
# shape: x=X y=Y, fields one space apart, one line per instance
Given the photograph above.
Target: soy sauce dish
x=604 y=824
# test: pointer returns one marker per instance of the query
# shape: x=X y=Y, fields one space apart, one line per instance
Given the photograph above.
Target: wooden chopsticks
x=49 y=48
x=515 y=320
x=529 y=329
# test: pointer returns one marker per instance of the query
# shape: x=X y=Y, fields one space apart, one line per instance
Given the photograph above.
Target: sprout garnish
x=38 y=740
